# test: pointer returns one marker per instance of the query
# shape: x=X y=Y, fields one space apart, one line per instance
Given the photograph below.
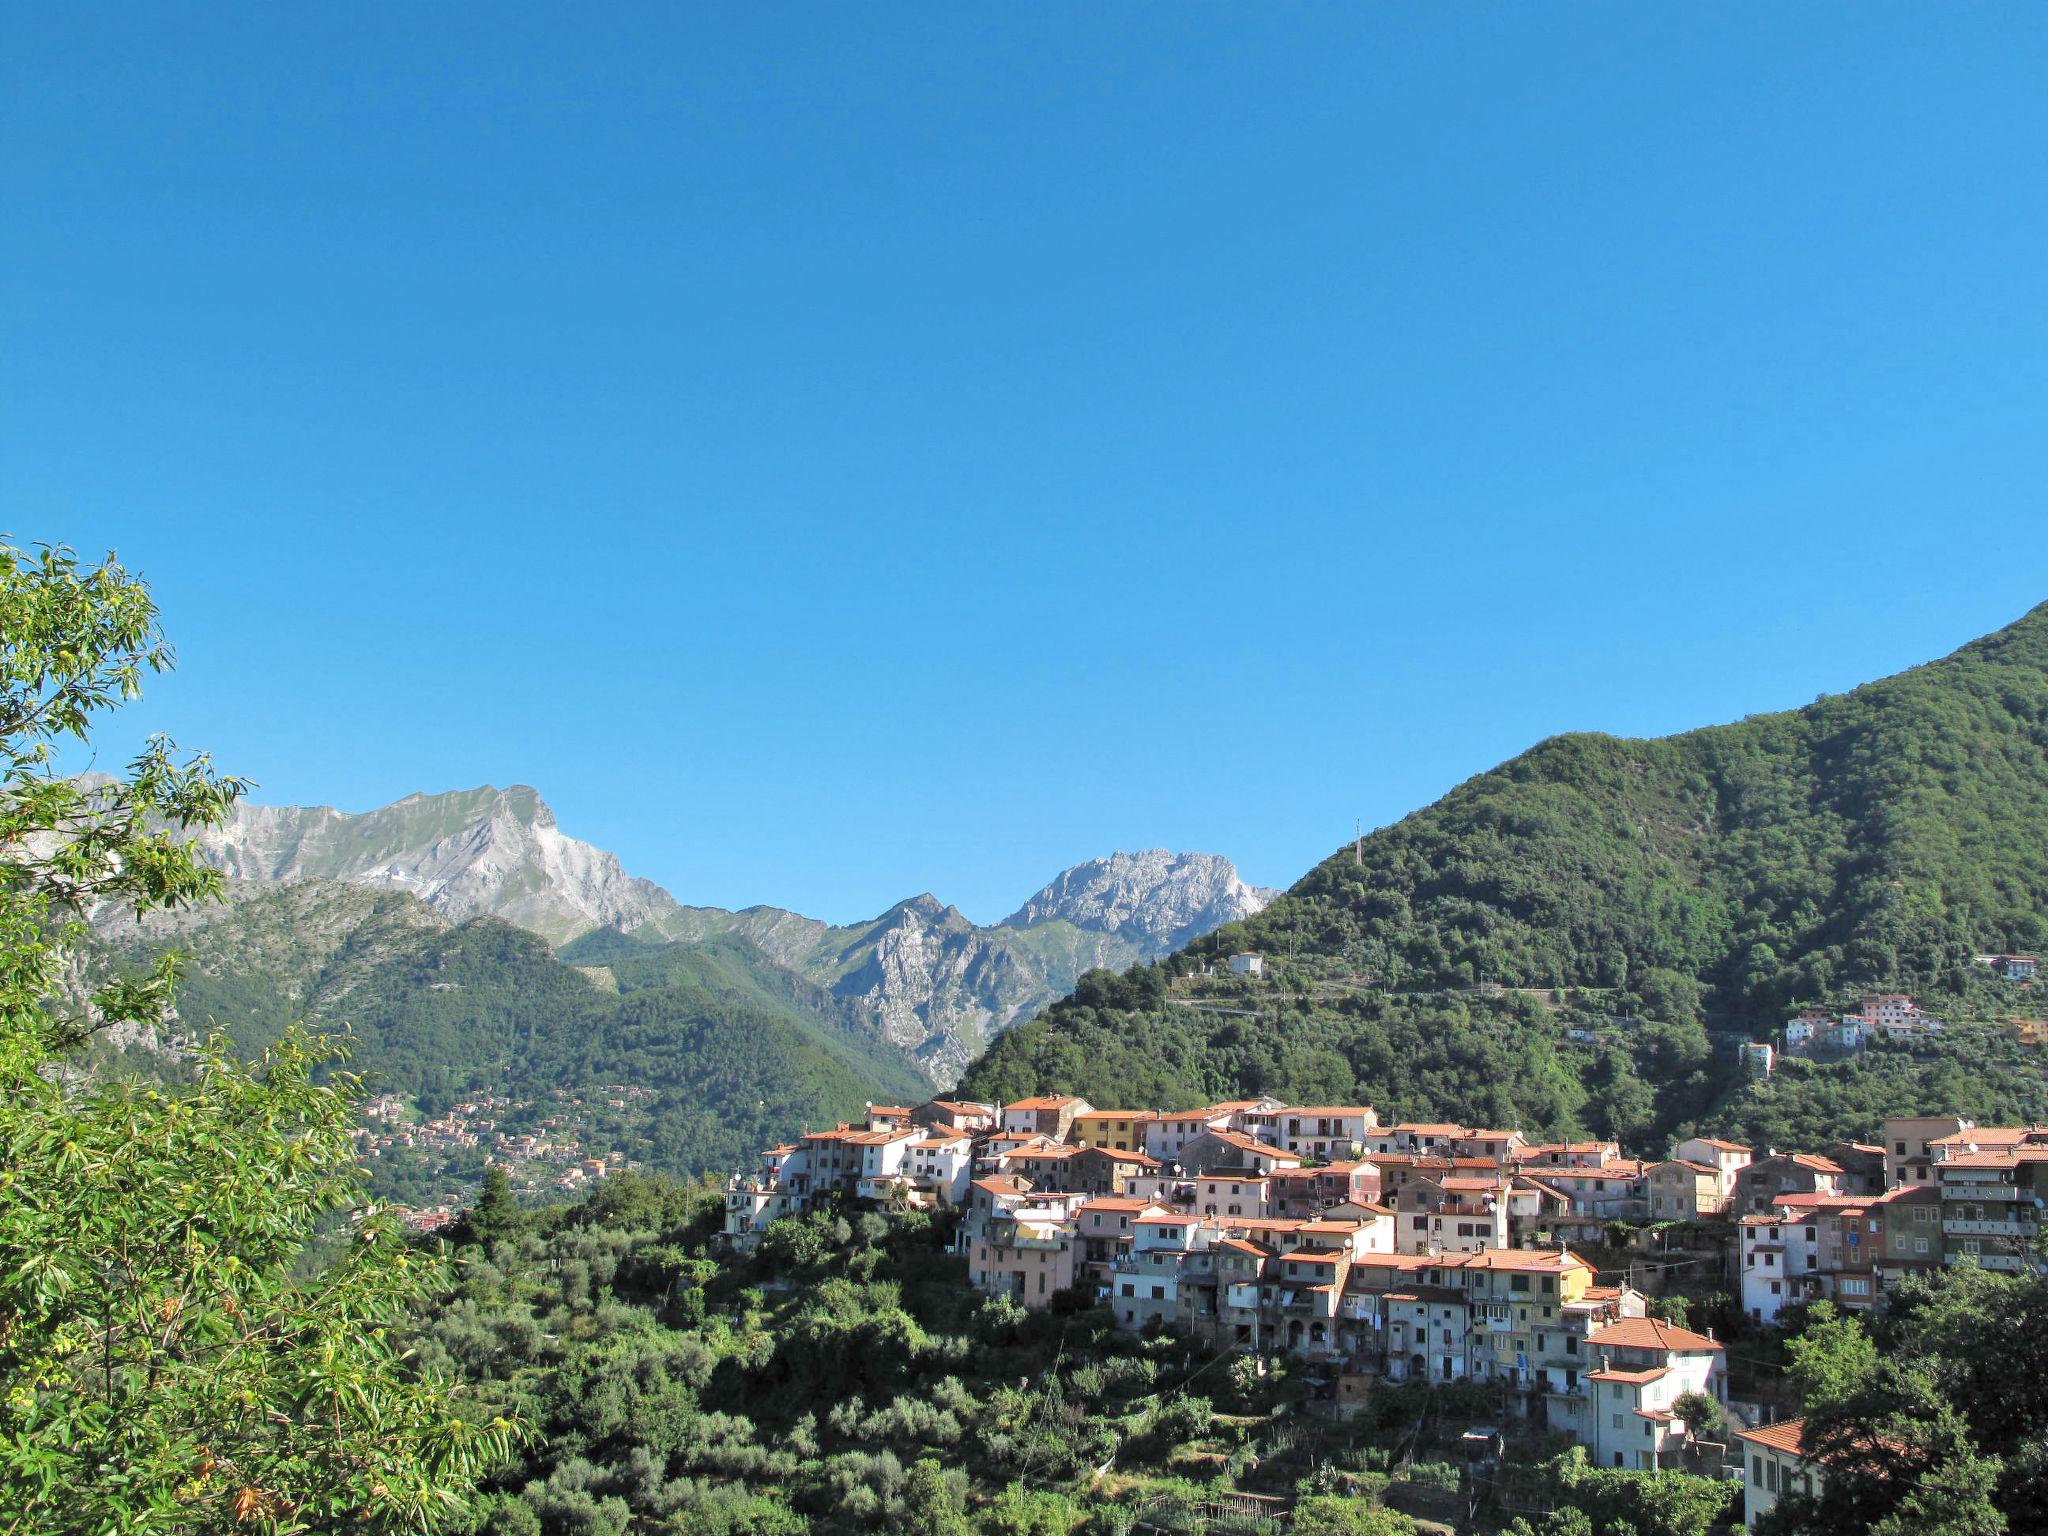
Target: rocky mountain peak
x=1154 y=896
x=464 y=853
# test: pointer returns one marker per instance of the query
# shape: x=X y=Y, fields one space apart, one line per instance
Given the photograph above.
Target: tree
x=496 y=1212
x=931 y=1504
x=1701 y=1413
x=1832 y=1360
x=164 y=1365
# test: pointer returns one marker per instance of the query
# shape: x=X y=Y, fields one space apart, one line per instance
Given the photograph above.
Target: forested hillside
x=1879 y=838
x=736 y=1051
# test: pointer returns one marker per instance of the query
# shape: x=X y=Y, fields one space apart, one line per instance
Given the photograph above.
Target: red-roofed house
x=1758 y=1186
x=1643 y=1366
x=1046 y=1114
x=1776 y=1467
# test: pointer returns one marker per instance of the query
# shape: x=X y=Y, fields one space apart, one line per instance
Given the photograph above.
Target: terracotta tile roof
x=1117 y=1203
x=1429 y=1128
x=1787 y=1436
x=1044 y=1101
x=1720 y=1146
x=1324 y=1111
x=1632 y=1378
x=1649 y=1333
x=1683 y=1162
x=1978 y=1160
x=1542 y=1259
x=1252 y=1144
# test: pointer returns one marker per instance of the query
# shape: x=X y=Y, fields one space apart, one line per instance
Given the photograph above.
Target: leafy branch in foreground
x=170 y=1359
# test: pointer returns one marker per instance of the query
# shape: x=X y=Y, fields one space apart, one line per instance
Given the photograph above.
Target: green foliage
x=1936 y=1419
x=1327 y=1516
x=1879 y=837
x=1643 y=1503
x=843 y=1375
x=1701 y=1413
x=737 y=1053
x=167 y=1364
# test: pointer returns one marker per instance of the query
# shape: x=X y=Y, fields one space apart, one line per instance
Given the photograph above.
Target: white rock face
x=1155 y=897
x=466 y=853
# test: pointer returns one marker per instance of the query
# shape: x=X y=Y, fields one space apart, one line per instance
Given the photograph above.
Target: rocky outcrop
x=469 y=853
x=1156 y=898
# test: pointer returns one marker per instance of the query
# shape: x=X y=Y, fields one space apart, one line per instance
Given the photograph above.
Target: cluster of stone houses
x=1431 y=1252
x=1941 y=1191
x=1418 y=1251
x=1881 y=1016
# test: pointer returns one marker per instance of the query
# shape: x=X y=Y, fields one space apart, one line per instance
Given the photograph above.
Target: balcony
x=1986 y=1228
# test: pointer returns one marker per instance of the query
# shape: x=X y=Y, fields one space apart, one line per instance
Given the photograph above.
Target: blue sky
x=842 y=451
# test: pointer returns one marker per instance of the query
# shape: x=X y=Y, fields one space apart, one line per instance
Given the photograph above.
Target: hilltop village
x=1425 y=1252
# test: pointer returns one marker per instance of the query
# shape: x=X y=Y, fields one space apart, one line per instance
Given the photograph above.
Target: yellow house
x=1120 y=1130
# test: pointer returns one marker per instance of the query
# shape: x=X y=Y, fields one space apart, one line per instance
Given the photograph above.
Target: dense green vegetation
x=171 y=1359
x=1877 y=839
x=1933 y=1418
x=738 y=1051
x=844 y=1378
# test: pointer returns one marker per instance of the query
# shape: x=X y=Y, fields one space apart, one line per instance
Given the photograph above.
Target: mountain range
x=920 y=977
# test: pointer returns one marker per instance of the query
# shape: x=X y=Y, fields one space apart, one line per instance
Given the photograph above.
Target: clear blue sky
x=838 y=451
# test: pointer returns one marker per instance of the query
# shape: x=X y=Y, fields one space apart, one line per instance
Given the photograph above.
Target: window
x=1771 y=1476
x=1159 y=1293
x=1756 y=1471
x=1129 y=1289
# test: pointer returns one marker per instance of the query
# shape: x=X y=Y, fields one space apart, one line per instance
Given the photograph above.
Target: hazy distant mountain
x=920 y=976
